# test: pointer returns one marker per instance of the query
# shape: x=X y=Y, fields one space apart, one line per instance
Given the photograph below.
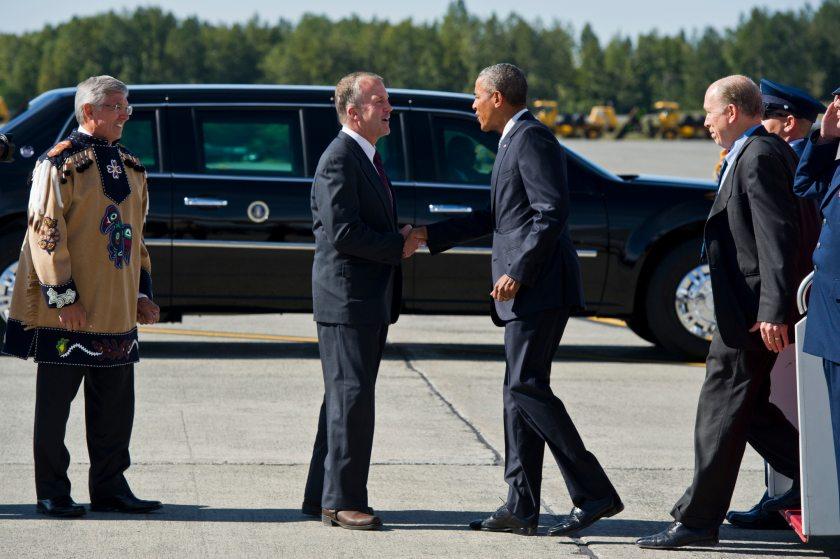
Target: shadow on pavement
x=776 y=543
x=772 y=543
x=396 y=351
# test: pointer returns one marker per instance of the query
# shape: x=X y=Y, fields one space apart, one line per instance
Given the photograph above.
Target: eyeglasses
x=118 y=108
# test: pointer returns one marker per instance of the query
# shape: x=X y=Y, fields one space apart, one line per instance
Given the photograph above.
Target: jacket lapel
x=725 y=191
x=500 y=156
x=370 y=173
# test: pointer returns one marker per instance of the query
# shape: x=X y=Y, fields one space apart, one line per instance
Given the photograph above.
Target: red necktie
x=383 y=178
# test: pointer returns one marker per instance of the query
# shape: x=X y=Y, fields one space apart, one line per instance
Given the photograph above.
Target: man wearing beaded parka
x=83 y=283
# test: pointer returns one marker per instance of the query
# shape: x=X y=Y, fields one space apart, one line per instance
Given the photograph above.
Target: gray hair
x=508 y=80
x=94 y=90
x=740 y=91
x=348 y=92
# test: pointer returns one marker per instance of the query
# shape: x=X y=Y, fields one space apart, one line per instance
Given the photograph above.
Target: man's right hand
x=73 y=317
x=414 y=240
x=830 y=127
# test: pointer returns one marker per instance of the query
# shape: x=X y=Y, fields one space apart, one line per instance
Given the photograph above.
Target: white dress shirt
x=366 y=146
x=509 y=124
x=735 y=150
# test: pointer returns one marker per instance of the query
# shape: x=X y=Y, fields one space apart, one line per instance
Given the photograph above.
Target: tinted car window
x=255 y=142
x=464 y=154
x=139 y=136
x=322 y=127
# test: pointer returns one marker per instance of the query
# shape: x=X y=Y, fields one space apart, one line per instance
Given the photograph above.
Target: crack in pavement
x=582 y=547
x=406 y=357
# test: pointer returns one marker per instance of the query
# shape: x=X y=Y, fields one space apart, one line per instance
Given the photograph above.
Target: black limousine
x=230 y=229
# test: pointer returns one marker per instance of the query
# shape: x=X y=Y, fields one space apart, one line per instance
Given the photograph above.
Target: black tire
x=661 y=303
x=9 y=253
x=639 y=326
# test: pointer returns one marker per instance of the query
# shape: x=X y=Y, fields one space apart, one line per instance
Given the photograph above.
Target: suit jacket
x=528 y=214
x=356 y=275
x=818 y=178
x=751 y=238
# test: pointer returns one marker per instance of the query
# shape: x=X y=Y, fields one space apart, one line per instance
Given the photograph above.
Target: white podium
x=799 y=389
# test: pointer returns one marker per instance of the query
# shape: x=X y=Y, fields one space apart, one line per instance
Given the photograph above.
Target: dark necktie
x=722 y=171
x=383 y=178
x=703 y=255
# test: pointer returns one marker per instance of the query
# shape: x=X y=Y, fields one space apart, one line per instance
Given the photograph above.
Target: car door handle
x=205 y=202
x=449 y=209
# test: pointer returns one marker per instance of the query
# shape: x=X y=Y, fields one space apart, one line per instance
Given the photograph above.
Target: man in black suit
x=537 y=284
x=750 y=239
x=789 y=113
x=356 y=294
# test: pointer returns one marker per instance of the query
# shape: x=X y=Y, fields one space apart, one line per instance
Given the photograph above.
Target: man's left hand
x=505 y=289
x=147 y=311
x=775 y=336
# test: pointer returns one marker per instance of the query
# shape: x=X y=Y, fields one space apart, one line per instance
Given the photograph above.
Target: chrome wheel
x=694 y=303
x=7 y=284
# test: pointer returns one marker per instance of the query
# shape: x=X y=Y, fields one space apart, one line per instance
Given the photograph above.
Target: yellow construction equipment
x=546 y=112
x=601 y=119
x=4 y=112
x=668 y=122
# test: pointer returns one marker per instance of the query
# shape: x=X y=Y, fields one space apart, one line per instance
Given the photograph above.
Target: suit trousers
x=734 y=408
x=338 y=470
x=534 y=417
x=832 y=379
x=109 y=417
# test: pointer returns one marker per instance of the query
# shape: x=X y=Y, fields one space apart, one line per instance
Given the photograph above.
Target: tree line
x=150 y=45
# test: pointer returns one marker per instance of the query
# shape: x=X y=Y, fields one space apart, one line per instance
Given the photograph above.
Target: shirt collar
x=739 y=143
x=509 y=124
x=366 y=146
x=88 y=138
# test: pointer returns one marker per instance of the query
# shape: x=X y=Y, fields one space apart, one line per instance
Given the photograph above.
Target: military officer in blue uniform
x=789 y=112
x=818 y=177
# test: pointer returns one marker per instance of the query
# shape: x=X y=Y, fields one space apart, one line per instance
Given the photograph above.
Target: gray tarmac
x=227 y=411
x=226 y=416
x=678 y=158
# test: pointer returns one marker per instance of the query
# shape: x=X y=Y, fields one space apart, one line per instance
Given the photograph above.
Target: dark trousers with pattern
x=734 y=408
x=109 y=416
x=534 y=417
x=338 y=470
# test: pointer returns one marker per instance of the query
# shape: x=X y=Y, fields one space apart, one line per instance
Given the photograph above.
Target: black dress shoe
x=757 y=519
x=679 y=535
x=580 y=518
x=127 y=503
x=792 y=499
x=60 y=507
x=504 y=521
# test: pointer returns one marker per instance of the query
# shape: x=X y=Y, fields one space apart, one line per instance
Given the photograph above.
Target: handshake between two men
x=505 y=288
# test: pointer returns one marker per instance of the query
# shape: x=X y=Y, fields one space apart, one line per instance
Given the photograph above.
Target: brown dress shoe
x=350 y=519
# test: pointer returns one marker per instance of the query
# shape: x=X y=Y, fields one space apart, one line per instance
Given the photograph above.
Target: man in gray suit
x=356 y=294
x=537 y=284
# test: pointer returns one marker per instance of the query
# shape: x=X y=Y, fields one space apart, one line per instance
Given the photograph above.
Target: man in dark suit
x=537 y=284
x=356 y=294
x=789 y=113
x=750 y=235
x=818 y=178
